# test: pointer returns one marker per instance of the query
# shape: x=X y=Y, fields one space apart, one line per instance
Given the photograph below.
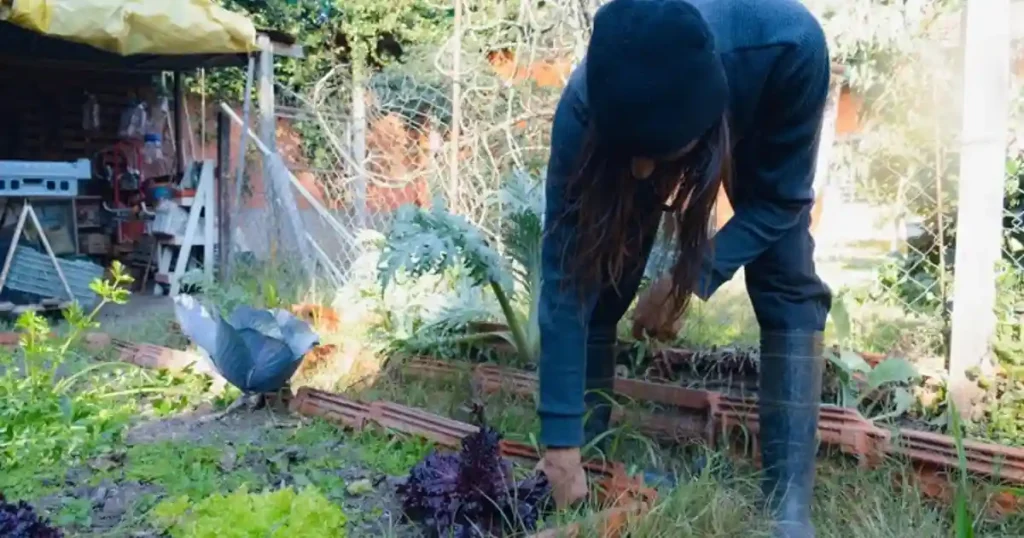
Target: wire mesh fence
x=365 y=146
x=887 y=233
x=1009 y=344
x=417 y=132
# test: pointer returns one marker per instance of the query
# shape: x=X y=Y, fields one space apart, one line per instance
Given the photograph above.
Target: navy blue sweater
x=776 y=60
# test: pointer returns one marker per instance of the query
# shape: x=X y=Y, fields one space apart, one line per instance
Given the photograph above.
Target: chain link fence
x=886 y=236
x=885 y=228
x=366 y=146
x=1009 y=344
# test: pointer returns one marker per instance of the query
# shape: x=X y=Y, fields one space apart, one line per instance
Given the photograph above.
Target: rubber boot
x=792 y=365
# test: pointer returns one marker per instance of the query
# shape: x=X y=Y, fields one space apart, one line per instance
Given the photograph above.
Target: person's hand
x=653 y=316
x=564 y=470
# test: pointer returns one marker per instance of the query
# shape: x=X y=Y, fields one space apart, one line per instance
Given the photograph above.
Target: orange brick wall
x=398 y=152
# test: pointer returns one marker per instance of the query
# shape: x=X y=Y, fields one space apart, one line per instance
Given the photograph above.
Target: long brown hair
x=613 y=210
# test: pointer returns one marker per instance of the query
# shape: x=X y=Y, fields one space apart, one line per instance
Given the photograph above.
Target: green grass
x=183 y=468
x=722 y=498
x=392 y=455
x=719 y=500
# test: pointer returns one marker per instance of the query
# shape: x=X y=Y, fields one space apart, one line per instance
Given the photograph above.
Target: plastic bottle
x=153 y=145
x=90 y=114
x=133 y=122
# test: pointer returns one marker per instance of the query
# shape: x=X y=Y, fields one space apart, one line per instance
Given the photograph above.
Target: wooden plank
x=22 y=308
x=185 y=253
x=293 y=50
x=208 y=178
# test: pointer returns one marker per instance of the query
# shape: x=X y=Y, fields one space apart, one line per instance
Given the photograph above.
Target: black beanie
x=654 y=80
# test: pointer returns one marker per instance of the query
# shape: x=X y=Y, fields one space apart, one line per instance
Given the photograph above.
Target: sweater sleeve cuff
x=561 y=431
x=710 y=279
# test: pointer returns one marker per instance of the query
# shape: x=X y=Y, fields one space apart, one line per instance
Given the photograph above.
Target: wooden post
x=179 y=107
x=223 y=199
x=358 y=134
x=268 y=128
x=454 y=186
x=234 y=205
x=982 y=173
x=322 y=211
x=243 y=138
x=275 y=173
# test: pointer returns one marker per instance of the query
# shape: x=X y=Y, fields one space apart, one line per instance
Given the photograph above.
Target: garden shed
x=94 y=139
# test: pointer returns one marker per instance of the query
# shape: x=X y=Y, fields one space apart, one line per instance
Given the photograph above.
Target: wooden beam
x=267 y=120
x=275 y=173
x=293 y=50
x=331 y=220
x=223 y=197
x=179 y=105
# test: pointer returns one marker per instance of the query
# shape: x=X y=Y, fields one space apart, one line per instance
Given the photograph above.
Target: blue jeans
x=577 y=330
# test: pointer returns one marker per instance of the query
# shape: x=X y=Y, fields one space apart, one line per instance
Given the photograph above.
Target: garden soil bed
x=112 y=497
x=163 y=459
x=689 y=414
x=710 y=417
x=621 y=496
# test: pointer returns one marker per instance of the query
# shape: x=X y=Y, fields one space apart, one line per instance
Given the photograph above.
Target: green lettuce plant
x=284 y=513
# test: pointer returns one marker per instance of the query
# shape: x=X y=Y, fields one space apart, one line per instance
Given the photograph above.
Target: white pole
x=982 y=174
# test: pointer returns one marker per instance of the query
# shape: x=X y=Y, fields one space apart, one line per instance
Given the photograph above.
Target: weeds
x=389 y=454
x=58 y=407
x=963 y=523
x=49 y=414
x=205 y=487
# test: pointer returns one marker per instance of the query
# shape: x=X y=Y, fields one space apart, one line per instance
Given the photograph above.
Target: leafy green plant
x=260 y=285
x=432 y=241
x=859 y=383
x=179 y=469
x=963 y=522
x=49 y=415
x=410 y=313
x=392 y=455
x=284 y=513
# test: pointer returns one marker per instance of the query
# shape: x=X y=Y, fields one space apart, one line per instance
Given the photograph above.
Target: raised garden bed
x=623 y=496
x=728 y=370
x=690 y=415
x=696 y=414
x=620 y=497
x=710 y=416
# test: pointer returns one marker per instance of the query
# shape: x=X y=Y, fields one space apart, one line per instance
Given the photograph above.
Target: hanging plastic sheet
x=127 y=27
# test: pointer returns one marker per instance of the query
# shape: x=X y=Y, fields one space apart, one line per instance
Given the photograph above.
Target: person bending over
x=674 y=99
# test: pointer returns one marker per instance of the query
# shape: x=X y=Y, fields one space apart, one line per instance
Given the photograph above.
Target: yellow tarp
x=166 y=27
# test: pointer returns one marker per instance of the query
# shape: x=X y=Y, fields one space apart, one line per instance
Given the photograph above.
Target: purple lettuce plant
x=473 y=493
